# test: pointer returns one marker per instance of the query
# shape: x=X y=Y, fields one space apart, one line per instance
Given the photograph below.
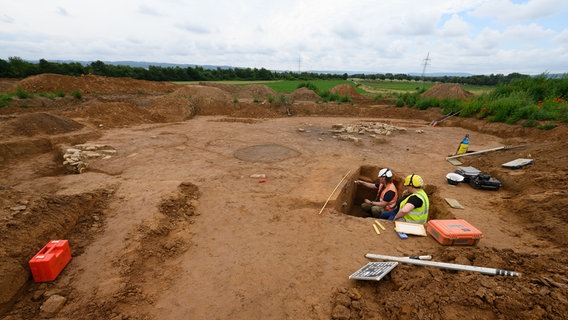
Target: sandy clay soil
x=196 y=202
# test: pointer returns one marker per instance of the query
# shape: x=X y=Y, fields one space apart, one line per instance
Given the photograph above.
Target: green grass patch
x=5 y=99
x=52 y=95
x=20 y=93
x=287 y=85
x=77 y=94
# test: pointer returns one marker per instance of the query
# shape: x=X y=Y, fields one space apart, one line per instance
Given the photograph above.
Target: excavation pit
x=353 y=195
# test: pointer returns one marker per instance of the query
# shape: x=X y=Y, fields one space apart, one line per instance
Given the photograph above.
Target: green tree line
x=16 y=67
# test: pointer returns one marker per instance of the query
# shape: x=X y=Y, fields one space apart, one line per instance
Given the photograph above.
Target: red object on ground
x=261 y=180
x=50 y=260
x=454 y=232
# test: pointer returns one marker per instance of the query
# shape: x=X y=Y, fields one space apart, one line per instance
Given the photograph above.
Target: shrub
x=426 y=103
x=399 y=103
x=77 y=94
x=410 y=99
x=5 y=99
x=20 y=93
x=344 y=99
x=529 y=123
x=52 y=95
x=308 y=85
x=547 y=126
x=283 y=99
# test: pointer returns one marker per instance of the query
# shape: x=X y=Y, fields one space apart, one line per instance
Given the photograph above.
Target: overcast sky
x=380 y=36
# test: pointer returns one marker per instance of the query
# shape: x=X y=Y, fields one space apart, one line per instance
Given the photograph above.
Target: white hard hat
x=386 y=172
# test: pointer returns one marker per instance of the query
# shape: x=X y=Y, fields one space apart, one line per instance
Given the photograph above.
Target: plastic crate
x=50 y=260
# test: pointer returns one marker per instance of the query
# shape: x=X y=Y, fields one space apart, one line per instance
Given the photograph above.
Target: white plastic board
x=410 y=228
x=517 y=163
x=373 y=271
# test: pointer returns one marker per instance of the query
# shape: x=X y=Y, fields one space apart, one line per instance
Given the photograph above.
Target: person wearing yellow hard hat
x=414 y=207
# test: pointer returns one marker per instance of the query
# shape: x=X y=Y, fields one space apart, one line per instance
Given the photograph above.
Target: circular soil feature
x=266 y=153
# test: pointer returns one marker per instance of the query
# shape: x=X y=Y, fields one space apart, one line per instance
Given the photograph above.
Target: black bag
x=485 y=182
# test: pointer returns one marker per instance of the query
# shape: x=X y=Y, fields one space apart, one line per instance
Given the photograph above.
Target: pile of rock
x=373 y=129
x=75 y=158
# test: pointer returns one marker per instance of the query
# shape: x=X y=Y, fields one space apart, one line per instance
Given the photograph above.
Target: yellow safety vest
x=417 y=215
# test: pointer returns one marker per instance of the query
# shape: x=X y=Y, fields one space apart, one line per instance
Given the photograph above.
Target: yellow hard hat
x=414 y=180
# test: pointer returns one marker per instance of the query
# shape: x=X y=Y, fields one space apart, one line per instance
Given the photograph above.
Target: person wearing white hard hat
x=387 y=194
x=414 y=207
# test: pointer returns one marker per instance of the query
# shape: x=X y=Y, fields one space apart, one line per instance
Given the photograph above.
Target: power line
x=426 y=62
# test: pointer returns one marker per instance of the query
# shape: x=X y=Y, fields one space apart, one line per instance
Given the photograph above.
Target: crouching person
x=414 y=206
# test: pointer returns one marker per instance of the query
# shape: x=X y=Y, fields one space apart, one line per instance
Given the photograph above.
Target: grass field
x=389 y=86
x=289 y=86
x=370 y=87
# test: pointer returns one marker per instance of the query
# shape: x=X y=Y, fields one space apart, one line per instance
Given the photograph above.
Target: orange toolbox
x=50 y=260
x=454 y=232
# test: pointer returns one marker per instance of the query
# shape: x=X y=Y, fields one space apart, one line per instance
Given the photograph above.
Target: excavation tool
x=445 y=117
x=443 y=265
x=483 y=151
x=337 y=186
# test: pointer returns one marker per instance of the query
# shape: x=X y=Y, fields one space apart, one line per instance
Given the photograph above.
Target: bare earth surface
x=203 y=204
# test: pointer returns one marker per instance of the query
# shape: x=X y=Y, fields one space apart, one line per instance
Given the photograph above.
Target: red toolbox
x=454 y=232
x=50 y=260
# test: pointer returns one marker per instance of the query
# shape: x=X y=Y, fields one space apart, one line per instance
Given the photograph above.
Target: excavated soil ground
x=208 y=207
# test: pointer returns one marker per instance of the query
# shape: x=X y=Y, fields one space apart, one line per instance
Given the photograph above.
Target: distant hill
x=146 y=65
x=441 y=74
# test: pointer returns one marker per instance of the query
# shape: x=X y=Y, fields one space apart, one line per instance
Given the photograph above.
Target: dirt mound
x=204 y=99
x=255 y=110
x=8 y=85
x=92 y=84
x=114 y=114
x=304 y=94
x=255 y=91
x=252 y=91
x=40 y=123
x=345 y=90
x=447 y=90
x=225 y=87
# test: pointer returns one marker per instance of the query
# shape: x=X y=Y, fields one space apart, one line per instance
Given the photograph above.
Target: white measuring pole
x=452 y=266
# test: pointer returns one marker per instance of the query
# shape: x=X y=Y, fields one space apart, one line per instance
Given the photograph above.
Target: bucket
x=454 y=178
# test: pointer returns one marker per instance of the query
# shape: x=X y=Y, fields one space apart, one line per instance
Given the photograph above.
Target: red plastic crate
x=50 y=260
x=454 y=232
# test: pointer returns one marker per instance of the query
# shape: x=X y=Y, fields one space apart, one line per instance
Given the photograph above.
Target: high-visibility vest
x=417 y=215
x=388 y=187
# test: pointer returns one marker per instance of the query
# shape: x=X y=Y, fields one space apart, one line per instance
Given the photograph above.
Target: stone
x=52 y=305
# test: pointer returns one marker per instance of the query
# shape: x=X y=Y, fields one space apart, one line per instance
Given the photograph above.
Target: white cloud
x=455 y=27
x=6 y=19
x=506 y=10
x=380 y=36
x=62 y=12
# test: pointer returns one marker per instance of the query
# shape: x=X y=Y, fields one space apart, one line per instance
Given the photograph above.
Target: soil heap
x=447 y=90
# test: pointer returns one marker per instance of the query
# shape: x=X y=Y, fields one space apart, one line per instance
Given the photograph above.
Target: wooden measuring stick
x=345 y=176
x=380 y=225
x=376 y=229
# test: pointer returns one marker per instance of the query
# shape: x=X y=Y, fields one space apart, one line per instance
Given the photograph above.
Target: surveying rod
x=453 y=266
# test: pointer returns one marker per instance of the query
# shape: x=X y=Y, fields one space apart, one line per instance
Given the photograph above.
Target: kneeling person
x=387 y=195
